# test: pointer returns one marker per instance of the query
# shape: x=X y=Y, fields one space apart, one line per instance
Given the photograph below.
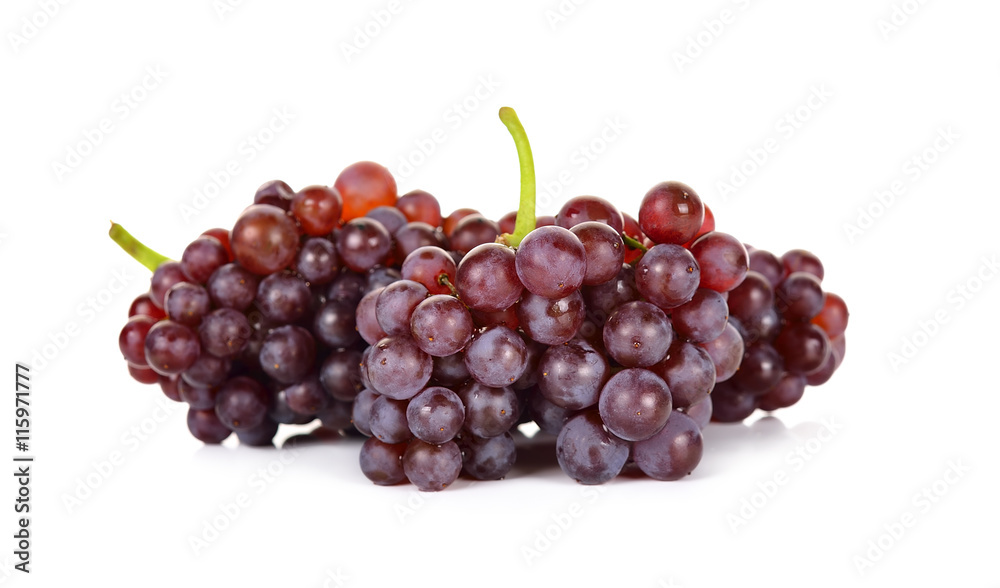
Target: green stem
x=135 y=248
x=526 y=209
x=633 y=243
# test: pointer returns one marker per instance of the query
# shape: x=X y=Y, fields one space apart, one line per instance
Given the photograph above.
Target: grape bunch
x=437 y=337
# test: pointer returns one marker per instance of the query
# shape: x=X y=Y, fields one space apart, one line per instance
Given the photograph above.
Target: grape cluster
x=434 y=338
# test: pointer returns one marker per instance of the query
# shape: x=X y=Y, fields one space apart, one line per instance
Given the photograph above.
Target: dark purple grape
x=488 y=459
x=169 y=386
x=307 y=397
x=164 y=277
x=206 y=427
x=760 y=369
x=171 y=348
x=472 y=231
x=441 y=325
x=548 y=321
x=605 y=251
x=388 y=420
x=730 y=404
x=435 y=415
x=224 y=332
x=673 y=452
x=496 y=357
x=365 y=318
x=132 y=339
x=340 y=374
x=381 y=276
x=432 y=467
x=489 y=411
x=337 y=416
x=398 y=368
x=785 y=393
x=572 y=375
x=549 y=417
x=635 y=404
x=688 y=371
x=241 y=404
x=413 y=236
x=752 y=297
x=260 y=436
x=825 y=372
x=667 y=275
x=201 y=257
x=726 y=352
x=187 y=303
x=317 y=261
x=232 y=286
x=638 y=334
x=335 y=325
x=702 y=318
x=281 y=412
x=287 y=354
x=804 y=347
x=800 y=260
x=588 y=452
x=799 y=296
x=382 y=463
x=347 y=286
x=275 y=193
x=768 y=265
x=450 y=370
x=551 y=262
x=208 y=370
x=283 y=298
x=700 y=412
x=363 y=243
x=391 y=217
x=603 y=299
x=529 y=378
x=197 y=397
x=395 y=305
x=487 y=278
x=362 y=411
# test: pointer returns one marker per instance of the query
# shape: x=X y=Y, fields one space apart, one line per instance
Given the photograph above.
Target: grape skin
x=588 y=452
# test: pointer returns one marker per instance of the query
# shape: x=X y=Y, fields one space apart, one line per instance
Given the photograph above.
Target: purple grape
x=224 y=332
x=496 y=357
x=799 y=296
x=340 y=374
x=206 y=427
x=673 y=452
x=667 y=275
x=382 y=463
x=635 y=404
x=317 y=261
x=572 y=375
x=395 y=305
x=362 y=410
x=487 y=278
x=201 y=257
x=549 y=417
x=435 y=415
x=688 y=371
x=388 y=420
x=450 y=370
x=363 y=243
x=232 y=286
x=604 y=248
x=760 y=369
x=260 y=436
x=432 y=467
x=241 y=404
x=638 y=334
x=700 y=412
x=283 y=298
x=164 y=277
x=287 y=354
x=335 y=325
x=551 y=262
x=489 y=412
x=171 y=348
x=307 y=397
x=726 y=352
x=702 y=318
x=187 y=303
x=398 y=368
x=548 y=321
x=588 y=452
x=208 y=370
x=488 y=459
x=440 y=325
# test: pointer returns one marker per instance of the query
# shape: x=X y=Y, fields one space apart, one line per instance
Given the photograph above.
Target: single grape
x=551 y=262
x=604 y=298
x=688 y=371
x=337 y=416
x=208 y=370
x=723 y=260
x=800 y=260
x=232 y=286
x=471 y=231
x=671 y=212
x=432 y=467
x=397 y=368
x=548 y=321
x=166 y=275
x=363 y=243
x=572 y=375
x=143 y=375
x=362 y=410
x=307 y=397
x=132 y=339
x=604 y=248
x=169 y=386
x=365 y=318
x=430 y=266
x=199 y=397
x=730 y=404
x=435 y=415
x=317 y=261
x=702 y=318
x=382 y=463
x=275 y=193
x=489 y=412
x=804 y=347
x=335 y=325
x=768 y=265
x=363 y=186
x=825 y=371
x=143 y=306
x=799 y=296
x=667 y=275
x=487 y=278
x=700 y=412
x=726 y=352
x=201 y=257
x=317 y=208
x=752 y=297
x=588 y=452
x=832 y=318
x=347 y=286
x=241 y=404
x=635 y=404
x=441 y=325
x=450 y=370
x=171 y=348
x=581 y=209
x=260 y=436
x=638 y=334
x=187 y=303
x=224 y=332
x=673 y=452
x=785 y=393
x=381 y=276
x=206 y=427
x=420 y=206
x=413 y=236
x=488 y=459
x=388 y=420
x=281 y=412
x=340 y=374
x=264 y=239
x=395 y=306
x=549 y=417
x=287 y=354
x=496 y=357
x=760 y=369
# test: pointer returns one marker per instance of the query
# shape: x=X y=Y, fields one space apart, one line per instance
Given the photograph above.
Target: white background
x=890 y=91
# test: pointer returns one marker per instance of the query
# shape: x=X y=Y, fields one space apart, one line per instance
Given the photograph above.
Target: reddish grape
x=800 y=260
x=671 y=212
x=143 y=306
x=264 y=239
x=833 y=316
x=473 y=230
x=589 y=208
x=604 y=248
x=785 y=393
x=448 y=224
x=317 y=208
x=132 y=339
x=420 y=206
x=487 y=278
x=201 y=257
x=723 y=260
x=222 y=236
x=804 y=347
x=143 y=375
x=429 y=266
x=363 y=186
